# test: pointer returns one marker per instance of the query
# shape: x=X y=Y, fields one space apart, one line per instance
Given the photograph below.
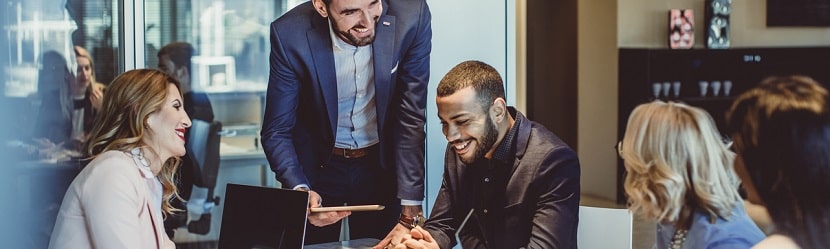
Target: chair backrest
x=203 y=148
x=601 y=228
x=263 y=217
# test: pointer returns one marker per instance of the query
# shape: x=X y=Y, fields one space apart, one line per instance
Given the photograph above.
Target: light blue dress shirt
x=357 y=124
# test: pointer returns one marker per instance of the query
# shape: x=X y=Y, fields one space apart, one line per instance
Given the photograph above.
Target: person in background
x=67 y=114
x=514 y=182
x=119 y=199
x=345 y=110
x=85 y=77
x=680 y=174
x=175 y=60
x=781 y=130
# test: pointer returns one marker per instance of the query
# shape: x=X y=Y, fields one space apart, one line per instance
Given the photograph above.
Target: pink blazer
x=108 y=205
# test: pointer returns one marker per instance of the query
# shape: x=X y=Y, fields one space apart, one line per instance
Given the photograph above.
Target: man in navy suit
x=345 y=110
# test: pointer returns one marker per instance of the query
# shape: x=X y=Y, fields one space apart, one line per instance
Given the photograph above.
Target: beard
x=351 y=39
x=484 y=143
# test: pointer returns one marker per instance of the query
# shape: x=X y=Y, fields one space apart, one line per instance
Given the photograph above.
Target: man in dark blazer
x=345 y=110
x=514 y=182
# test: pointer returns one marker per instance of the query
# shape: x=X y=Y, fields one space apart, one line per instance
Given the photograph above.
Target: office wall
x=551 y=68
x=604 y=27
x=642 y=23
x=466 y=30
x=597 y=96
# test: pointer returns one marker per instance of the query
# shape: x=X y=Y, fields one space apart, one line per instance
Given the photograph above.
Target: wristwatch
x=411 y=222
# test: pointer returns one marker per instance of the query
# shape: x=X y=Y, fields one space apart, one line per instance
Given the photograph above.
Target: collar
x=507 y=145
x=143 y=165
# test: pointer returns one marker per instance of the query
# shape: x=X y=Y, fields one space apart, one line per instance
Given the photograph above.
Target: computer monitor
x=263 y=217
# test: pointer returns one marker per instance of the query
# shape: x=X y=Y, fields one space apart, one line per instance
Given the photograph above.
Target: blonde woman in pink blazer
x=120 y=198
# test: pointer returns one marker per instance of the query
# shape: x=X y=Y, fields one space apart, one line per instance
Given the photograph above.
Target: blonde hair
x=81 y=52
x=122 y=123
x=677 y=164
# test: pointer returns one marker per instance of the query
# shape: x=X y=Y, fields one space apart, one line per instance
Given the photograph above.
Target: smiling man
x=514 y=182
x=345 y=110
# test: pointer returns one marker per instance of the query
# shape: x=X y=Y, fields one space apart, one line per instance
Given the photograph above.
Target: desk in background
x=228 y=161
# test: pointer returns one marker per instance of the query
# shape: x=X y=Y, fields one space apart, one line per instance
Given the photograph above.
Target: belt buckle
x=346 y=153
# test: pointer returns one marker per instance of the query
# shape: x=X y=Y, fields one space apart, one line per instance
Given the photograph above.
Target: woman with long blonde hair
x=120 y=198
x=680 y=175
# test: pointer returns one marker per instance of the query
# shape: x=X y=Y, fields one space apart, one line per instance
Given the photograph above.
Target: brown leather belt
x=351 y=153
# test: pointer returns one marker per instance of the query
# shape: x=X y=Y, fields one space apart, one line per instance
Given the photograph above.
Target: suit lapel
x=517 y=183
x=319 y=42
x=383 y=53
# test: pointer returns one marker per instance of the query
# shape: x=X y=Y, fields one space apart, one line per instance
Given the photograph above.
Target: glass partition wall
x=230 y=67
x=40 y=39
x=45 y=45
x=230 y=63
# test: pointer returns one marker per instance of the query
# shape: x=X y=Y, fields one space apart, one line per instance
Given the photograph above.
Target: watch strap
x=411 y=222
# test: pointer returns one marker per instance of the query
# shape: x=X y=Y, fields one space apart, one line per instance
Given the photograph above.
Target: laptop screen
x=263 y=217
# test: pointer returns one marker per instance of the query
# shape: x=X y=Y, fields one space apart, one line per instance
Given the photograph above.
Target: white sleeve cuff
x=411 y=203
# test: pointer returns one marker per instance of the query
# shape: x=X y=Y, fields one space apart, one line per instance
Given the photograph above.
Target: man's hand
x=399 y=233
x=321 y=219
x=420 y=239
x=395 y=237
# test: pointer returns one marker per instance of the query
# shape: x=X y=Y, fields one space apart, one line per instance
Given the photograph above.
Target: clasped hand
x=402 y=238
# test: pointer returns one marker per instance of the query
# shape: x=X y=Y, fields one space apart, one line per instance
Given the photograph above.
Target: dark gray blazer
x=542 y=196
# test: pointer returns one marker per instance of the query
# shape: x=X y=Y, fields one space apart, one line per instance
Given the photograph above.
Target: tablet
x=348 y=208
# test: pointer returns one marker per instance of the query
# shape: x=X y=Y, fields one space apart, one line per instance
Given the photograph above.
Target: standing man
x=345 y=110
x=513 y=181
x=174 y=59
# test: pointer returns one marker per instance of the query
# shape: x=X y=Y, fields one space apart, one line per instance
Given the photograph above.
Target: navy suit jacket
x=301 y=105
x=541 y=208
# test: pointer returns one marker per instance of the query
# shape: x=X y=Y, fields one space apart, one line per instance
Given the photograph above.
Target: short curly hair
x=677 y=164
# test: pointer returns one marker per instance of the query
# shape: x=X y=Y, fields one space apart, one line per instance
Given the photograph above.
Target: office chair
x=203 y=147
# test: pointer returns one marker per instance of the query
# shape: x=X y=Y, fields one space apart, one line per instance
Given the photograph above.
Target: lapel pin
x=386 y=24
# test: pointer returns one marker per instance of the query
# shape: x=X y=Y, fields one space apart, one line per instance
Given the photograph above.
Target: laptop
x=263 y=218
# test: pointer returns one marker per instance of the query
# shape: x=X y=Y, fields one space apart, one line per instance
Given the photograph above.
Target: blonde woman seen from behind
x=680 y=175
x=120 y=198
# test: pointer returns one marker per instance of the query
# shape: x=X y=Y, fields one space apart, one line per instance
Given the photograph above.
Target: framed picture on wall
x=681 y=28
x=806 y=13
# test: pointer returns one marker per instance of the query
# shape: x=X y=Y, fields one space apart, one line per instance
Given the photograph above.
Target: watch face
x=420 y=220
x=412 y=222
